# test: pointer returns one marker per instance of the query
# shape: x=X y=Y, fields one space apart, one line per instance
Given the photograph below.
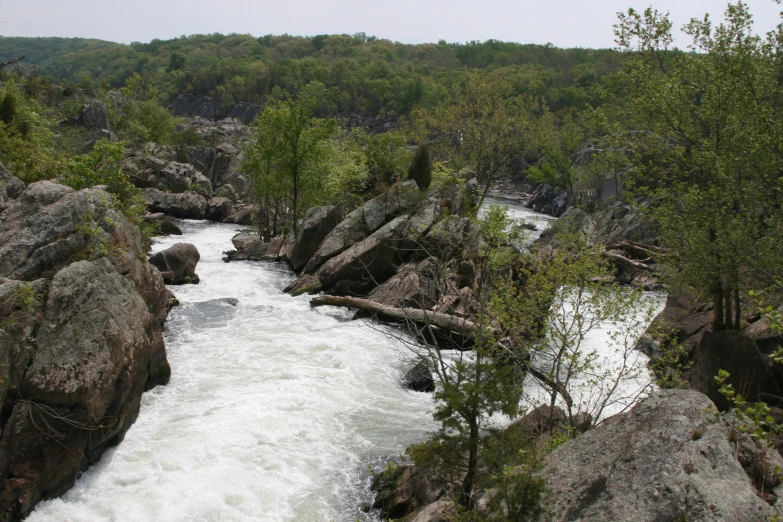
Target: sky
x=564 y=23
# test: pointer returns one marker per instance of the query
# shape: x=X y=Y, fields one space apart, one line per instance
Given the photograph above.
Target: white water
x=518 y=212
x=273 y=412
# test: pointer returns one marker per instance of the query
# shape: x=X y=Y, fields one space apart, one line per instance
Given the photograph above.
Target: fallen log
x=624 y=261
x=637 y=249
x=451 y=323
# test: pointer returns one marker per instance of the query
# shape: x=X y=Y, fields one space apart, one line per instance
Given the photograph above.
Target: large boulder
x=735 y=352
x=365 y=220
x=402 y=491
x=669 y=458
x=165 y=225
x=415 y=285
x=190 y=105
x=177 y=263
x=95 y=116
x=367 y=263
x=180 y=177
x=219 y=209
x=80 y=340
x=188 y=205
x=316 y=224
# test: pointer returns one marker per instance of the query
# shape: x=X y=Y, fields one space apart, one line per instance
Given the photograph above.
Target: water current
x=273 y=412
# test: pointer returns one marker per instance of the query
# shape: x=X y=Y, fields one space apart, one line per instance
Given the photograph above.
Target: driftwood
x=450 y=323
x=15 y=61
x=637 y=249
x=624 y=261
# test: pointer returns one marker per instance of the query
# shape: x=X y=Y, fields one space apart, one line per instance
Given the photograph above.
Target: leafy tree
x=709 y=149
x=287 y=158
x=420 y=168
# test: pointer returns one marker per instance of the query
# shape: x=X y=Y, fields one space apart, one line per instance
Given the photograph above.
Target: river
x=273 y=412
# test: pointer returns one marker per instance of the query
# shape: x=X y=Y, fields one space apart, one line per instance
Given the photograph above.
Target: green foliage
x=26 y=135
x=420 y=168
x=103 y=166
x=371 y=76
x=708 y=150
x=513 y=460
x=288 y=158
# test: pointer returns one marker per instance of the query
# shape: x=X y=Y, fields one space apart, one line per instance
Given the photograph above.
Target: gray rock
x=414 y=285
x=167 y=227
x=180 y=261
x=11 y=187
x=190 y=105
x=95 y=116
x=365 y=264
x=669 y=458
x=227 y=191
x=736 y=353
x=364 y=221
x=80 y=354
x=245 y=112
x=419 y=378
x=202 y=158
x=219 y=209
x=188 y=205
x=315 y=226
x=181 y=177
x=243 y=215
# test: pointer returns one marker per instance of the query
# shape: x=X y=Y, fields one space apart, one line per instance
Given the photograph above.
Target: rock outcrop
x=313 y=229
x=187 y=205
x=177 y=264
x=669 y=458
x=80 y=337
x=190 y=105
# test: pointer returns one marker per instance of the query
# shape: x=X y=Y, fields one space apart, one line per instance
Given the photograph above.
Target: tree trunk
x=451 y=323
x=470 y=476
x=718 y=324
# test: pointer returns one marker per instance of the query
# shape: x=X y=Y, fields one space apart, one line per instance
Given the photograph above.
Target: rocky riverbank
x=80 y=338
x=669 y=458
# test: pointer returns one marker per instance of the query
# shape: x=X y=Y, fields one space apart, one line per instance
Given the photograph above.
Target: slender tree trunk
x=717 y=306
x=737 y=309
x=727 y=295
x=470 y=475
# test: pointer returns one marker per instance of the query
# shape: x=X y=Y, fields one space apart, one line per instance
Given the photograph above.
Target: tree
x=706 y=141
x=287 y=158
x=476 y=125
x=420 y=168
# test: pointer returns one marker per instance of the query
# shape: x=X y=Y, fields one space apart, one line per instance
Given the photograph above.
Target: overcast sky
x=565 y=23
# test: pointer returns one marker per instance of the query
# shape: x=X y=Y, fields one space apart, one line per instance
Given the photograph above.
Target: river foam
x=273 y=411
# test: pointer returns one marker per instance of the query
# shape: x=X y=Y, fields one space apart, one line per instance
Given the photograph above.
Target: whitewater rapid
x=274 y=409
x=273 y=412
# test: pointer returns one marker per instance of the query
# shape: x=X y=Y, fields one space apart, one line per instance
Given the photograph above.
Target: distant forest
x=361 y=75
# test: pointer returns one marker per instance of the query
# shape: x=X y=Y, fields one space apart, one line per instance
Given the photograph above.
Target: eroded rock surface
x=80 y=337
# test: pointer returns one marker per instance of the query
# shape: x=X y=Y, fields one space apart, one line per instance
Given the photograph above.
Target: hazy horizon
x=564 y=23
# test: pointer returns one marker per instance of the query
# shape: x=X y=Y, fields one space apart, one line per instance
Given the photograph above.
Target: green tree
x=287 y=157
x=476 y=125
x=706 y=142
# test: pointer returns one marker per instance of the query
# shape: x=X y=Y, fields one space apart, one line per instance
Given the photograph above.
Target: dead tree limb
x=458 y=325
x=3 y=65
x=624 y=261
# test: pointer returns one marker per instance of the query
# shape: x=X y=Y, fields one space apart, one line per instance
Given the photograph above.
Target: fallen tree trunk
x=451 y=323
x=637 y=249
x=458 y=325
x=624 y=261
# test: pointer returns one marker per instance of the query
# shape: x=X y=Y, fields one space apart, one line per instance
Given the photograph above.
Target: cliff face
x=81 y=316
